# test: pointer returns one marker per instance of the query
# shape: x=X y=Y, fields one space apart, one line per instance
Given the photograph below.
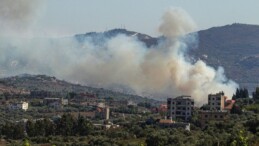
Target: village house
x=180 y=107
x=20 y=105
x=217 y=101
x=207 y=115
x=55 y=102
x=86 y=99
x=219 y=109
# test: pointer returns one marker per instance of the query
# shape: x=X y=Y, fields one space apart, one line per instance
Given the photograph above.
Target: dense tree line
x=256 y=94
x=241 y=93
x=64 y=126
x=240 y=130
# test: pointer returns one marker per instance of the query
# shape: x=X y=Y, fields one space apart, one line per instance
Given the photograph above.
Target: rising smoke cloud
x=122 y=61
x=16 y=15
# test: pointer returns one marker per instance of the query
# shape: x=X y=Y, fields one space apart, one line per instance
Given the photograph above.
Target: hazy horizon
x=56 y=18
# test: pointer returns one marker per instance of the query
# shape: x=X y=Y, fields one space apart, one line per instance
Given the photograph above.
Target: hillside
x=26 y=83
x=96 y=37
x=235 y=47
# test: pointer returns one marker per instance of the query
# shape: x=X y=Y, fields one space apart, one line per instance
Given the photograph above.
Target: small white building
x=21 y=105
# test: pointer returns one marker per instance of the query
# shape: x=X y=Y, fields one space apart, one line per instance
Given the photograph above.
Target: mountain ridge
x=235 y=47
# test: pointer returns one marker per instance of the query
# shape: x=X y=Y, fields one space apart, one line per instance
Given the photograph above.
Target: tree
x=30 y=128
x=240 y=139
x=245 y=93
x=18 y=131
x=7 y=130
x=65 y=125
x=237 y=93
x=83 y=127
x=13 y=131
x=256 y=94
x=49 y=127
x=241 y=93
x=71 y=95
x=236 y=109
x=26 y=142
x=40 y=128
x=156 y=140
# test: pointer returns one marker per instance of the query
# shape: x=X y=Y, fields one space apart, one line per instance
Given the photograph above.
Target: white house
x=21 y=105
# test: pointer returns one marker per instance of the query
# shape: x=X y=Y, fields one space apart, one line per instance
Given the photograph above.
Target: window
x=172 y=113
x=173 y=103
x=206 y=116
x=212 y=103
x=213 y=98
x=216 y=116
x=221 y=117
x=218 y=103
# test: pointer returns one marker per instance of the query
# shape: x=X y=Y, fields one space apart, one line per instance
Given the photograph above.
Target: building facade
x=219 y=109
x=180 y=107
x=217 y=101
x=21 y=105
x=55 y=102
x=206 y=116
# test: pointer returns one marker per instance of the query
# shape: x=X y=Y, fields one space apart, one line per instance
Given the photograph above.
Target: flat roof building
x=180 y=107
x=217 y=101
x=206 y=116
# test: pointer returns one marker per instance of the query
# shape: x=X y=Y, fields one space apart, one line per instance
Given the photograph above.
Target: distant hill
x=96 y=37
x=26 y=83
x=235 y=47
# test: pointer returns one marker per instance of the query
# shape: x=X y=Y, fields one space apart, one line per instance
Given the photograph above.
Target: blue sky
x=67 y=17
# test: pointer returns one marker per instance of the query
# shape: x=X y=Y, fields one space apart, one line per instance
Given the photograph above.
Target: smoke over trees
x=121 y=62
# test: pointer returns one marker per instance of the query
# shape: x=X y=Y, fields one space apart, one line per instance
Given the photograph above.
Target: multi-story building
x=217 y=101
x=219 y=109
x=180 y=107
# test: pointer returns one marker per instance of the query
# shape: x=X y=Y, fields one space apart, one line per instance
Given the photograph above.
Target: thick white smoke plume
x=121 y=61
x=16 y=15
